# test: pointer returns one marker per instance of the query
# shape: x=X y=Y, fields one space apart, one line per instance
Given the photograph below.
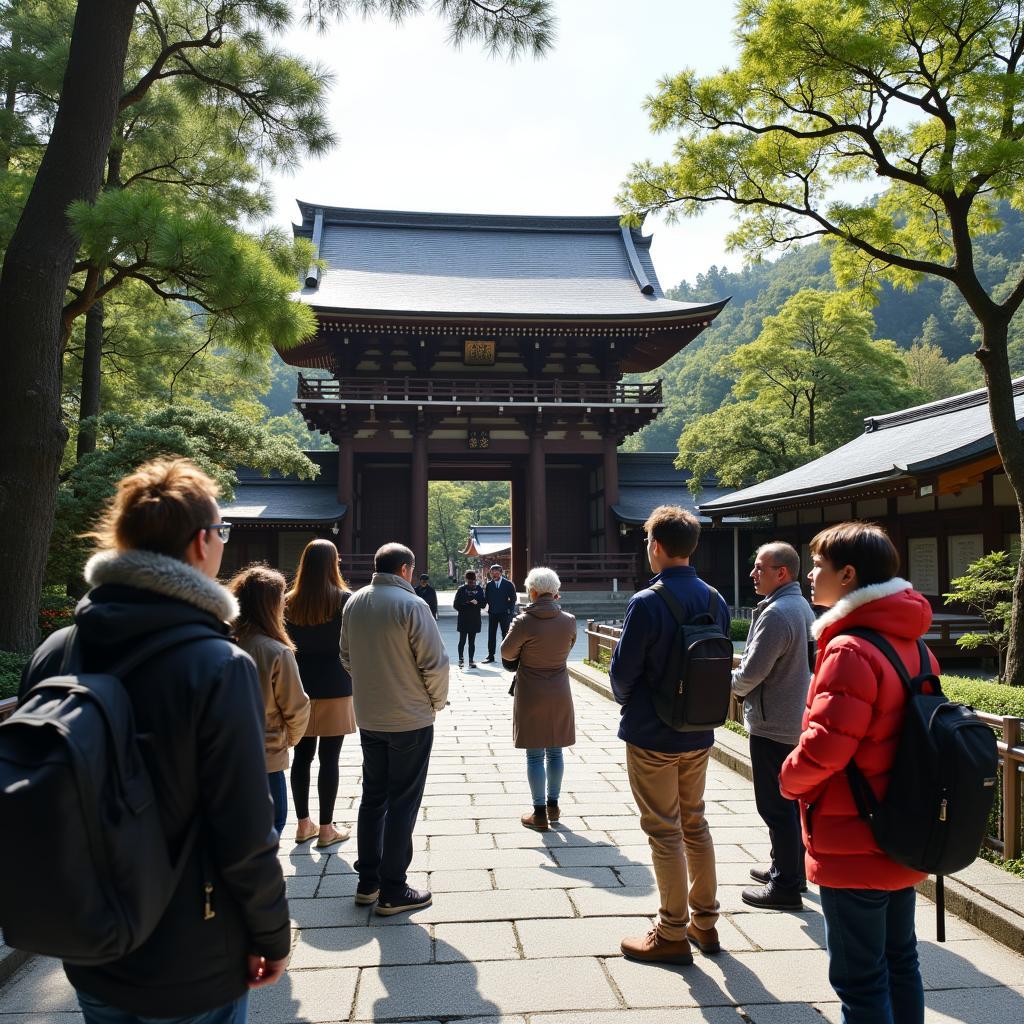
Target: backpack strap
x=677 y=610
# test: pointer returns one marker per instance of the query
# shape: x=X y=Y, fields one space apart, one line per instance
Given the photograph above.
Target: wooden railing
x=1008 y=813
x=7 y=707
x=357 y=568
x=472 y=391
x=587 y=567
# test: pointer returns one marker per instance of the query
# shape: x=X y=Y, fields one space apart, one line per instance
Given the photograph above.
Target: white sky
x=425 y=127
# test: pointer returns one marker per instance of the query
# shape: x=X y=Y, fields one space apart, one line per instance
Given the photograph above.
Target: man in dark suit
x=427 y=593
x=500 y=597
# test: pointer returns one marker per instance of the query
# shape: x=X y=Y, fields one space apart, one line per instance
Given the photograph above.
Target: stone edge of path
x=10 y=961
x=983 y=895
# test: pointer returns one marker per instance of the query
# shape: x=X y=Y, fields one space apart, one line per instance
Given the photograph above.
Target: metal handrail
x=469 y=391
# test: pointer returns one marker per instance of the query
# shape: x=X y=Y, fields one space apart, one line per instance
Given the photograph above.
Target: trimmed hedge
x=739 y=629
x=985 y=695
x=11 y=665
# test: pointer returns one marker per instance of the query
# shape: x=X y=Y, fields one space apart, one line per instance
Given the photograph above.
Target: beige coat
x=285 y=703
x=540 y=639
x=391 y=647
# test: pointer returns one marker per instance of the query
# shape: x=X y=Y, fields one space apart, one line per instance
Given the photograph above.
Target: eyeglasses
x=223 y=531
x=761 y=568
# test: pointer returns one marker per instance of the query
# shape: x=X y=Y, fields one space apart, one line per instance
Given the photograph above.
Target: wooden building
x=930 y=475
x=456 y=346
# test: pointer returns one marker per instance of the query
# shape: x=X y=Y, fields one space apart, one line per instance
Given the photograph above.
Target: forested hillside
x=933 y=314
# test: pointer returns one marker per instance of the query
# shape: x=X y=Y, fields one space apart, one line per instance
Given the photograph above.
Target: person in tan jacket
x=391 y=647
x=537 y=648
x=260 y=632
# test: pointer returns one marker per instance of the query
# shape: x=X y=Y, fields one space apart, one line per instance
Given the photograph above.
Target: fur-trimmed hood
x=163 y=575
x=892 y=607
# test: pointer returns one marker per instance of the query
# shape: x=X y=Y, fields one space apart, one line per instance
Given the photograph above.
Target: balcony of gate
x=479 y=393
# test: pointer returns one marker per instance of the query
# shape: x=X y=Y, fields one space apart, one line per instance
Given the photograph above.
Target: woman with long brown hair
x=313 y=610
x=260 y=632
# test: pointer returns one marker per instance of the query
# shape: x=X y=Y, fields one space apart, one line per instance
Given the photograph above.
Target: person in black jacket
x=427 y=593
x=199 y=715
x=469 y=601
x=501 y=598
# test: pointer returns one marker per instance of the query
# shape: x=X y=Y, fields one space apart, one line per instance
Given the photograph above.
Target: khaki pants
x=669 y=791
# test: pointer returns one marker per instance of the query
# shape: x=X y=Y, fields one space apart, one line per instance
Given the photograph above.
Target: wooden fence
x=7 y=707
x=1007 y=823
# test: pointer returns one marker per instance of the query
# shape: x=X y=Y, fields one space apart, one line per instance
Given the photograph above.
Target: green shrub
x=739 y=629
x=736 y=728
x=56 y=610
x=11 y=665
x=985 y=695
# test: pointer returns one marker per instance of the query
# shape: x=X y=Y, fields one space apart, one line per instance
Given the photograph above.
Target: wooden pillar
x=519 y=539
x=611 y=495
x=537 y=496
x=418 y=498
x=346 y=492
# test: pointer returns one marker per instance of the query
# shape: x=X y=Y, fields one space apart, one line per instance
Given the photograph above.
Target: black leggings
x=326 y=780
x=462 y=644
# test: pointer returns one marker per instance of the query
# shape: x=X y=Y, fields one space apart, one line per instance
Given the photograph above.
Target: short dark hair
x=470 y=575
x=675 y=529
x=865 y=546
x=391 y=557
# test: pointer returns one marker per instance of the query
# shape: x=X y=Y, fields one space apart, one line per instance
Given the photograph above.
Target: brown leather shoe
x=554 y=813
x=537 y=821
x=653 y=949
x=705 y=939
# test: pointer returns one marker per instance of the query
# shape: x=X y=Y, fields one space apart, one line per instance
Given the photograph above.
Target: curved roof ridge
x=481 y=221
x=941 y=407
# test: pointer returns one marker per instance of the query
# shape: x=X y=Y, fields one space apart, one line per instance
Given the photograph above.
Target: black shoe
x=472 y=664
x=770 y=898
x=764 y=876
x=366 y=894
x=488 y=660
x=408 y=899
x=460 y=663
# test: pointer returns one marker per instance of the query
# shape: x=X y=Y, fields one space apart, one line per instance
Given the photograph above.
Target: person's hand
x=262 y=971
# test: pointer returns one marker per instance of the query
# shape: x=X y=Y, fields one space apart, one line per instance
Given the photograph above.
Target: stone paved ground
x=526 y=927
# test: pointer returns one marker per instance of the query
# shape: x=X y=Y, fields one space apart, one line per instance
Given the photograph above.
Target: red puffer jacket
x=854 y=710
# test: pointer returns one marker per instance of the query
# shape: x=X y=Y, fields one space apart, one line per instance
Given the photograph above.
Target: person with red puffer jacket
x=855 y=711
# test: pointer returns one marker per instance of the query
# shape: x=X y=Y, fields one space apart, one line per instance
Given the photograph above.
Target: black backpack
x=934 y=815
x=85 y=872
x=694 y=692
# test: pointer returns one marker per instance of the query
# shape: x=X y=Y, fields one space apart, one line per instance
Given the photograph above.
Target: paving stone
x=327 y=912
x=460 y=860
x=490 y=940
x=497 y=905
x=782 y=931
x=554 y=878
x=710 y=1015
x=582 y=936
x=301 y=886
x=361 y=947
x=312 y=996
x=485 y=989
x=554 y=839
x=959 y=964
x=477 y=842
x=40 y=986
x=726 y=979
x=782 y=1013
x=597 y=855
x=461 y=881
x=513 y=824
x=632 y=900
x=337 y=885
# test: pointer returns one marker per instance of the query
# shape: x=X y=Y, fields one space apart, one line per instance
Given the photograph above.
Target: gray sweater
x=391 y=647
x=774 y=672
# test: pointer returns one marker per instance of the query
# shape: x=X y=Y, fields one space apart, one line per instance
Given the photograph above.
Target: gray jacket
x=391 y=647
x=774 y=671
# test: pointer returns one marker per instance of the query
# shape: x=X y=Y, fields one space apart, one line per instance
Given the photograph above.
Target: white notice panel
x=923 y=556
x=964 y=548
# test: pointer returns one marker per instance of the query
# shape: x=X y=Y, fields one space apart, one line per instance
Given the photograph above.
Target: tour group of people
x=298 y=668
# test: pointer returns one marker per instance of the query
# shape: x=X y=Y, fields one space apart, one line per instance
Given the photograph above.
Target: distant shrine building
x=466 y=347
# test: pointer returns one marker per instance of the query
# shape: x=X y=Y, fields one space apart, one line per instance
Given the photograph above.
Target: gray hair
x=543 y=580
x=783 y=555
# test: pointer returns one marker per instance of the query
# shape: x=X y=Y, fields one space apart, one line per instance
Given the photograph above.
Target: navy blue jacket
x=643 y=651
x=501 y=597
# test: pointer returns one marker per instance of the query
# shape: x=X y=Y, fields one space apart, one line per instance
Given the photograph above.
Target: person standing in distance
x=199 y=708
x=667 y=769
x=469 y=600
x=427 y=593
x=391 y=646
x=772 y=678
x=501 y=598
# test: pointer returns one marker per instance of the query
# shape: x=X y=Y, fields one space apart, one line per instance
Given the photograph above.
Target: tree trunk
x=36 y=270
x=92 y=356
x=1010 y=445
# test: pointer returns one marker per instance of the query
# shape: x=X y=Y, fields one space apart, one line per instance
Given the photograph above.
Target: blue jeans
x=872 y=955
x=279 y=794
x=97 y=1012
x=394 y=774
x=541 y=786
